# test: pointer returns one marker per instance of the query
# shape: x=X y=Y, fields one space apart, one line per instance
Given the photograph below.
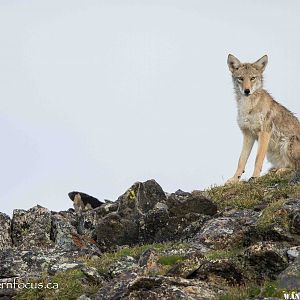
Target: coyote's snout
x=262 y=119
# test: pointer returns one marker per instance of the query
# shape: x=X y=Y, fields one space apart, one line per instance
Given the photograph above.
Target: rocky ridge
x=234 y=242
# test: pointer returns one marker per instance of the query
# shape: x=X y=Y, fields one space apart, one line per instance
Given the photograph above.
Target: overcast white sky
x=96 y=95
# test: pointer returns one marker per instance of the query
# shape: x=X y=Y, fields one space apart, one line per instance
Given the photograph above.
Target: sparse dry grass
x=221 y=254
x=252 y=290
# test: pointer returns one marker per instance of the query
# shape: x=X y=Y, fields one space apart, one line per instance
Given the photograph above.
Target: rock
x=131 y=286
x=63 y=267
x=180 y=205
x=293 y=253
x=179 y=218
x=92 y=274
x=267 y=258
x=114 y=230
x=31 y=228
x=149 y=262
x=116 y=288
x=277 y=233
x=224 y=270
x=83 y=297
x=140 y=198
x=34 y=263
x=295 y=223
x=197 y=266
x=296 y=178
x=123 y=227
x=161 y=287
x=234 y=228
x=182 y=193
x=152 y=226
x=5 y=233
x=146 y=215
x=105 y=209
x=86 y=224
x=221 y=233
x=123 y=265
x=289 y=278
x=292 y=206
x=6 y=292
x=65 y=235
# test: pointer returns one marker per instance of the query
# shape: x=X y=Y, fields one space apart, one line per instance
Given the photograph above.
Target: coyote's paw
x=252 y=179
x=232 y=180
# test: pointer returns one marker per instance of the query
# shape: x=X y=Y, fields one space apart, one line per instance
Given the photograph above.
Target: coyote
x=262 y=119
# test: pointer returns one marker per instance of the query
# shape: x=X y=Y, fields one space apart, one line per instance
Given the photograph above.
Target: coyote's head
x=247 y=77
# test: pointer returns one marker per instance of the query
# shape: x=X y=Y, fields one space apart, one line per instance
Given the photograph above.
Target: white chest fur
x=248 y=117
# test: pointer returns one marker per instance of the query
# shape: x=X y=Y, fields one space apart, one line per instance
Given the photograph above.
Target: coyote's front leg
x=248 y=141
x=263 y=143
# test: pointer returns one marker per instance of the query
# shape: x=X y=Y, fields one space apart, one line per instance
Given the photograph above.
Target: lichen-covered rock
x=31 y=228
x=220 y=270
x=140 y=198
x=153 y=224
x=146 y=215
x=131 y=286
x=148 y=261
x=122 y=227
x=31 y=264
x=92 y=274
x=293 y=253
x=114 y=230
x=5 y=233
x=181 y=204
x=289 y=279
x=65 y=235
x=221 y=233
x=161 y=287
x=83 y=297
x=268 y=259
x=122 y=265
x=231 y=229
x=179 y=218
x=63 y=267
x=117 y=288
x=292 y=206
x=105 y=209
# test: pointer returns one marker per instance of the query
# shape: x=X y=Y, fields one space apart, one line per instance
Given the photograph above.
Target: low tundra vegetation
x=103 y=262
x=248 y=194
x=254 y=291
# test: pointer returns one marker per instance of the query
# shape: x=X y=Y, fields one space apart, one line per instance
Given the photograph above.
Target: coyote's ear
x=233 y=62
x=261 y=63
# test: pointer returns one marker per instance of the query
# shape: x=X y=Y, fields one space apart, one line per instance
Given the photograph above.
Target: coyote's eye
x=240 y=78
x=252 y=78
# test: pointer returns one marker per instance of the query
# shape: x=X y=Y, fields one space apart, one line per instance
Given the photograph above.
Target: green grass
x=170 y=260
x=265 y=189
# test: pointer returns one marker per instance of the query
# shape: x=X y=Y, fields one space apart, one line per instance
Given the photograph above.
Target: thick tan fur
x=262 y=119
